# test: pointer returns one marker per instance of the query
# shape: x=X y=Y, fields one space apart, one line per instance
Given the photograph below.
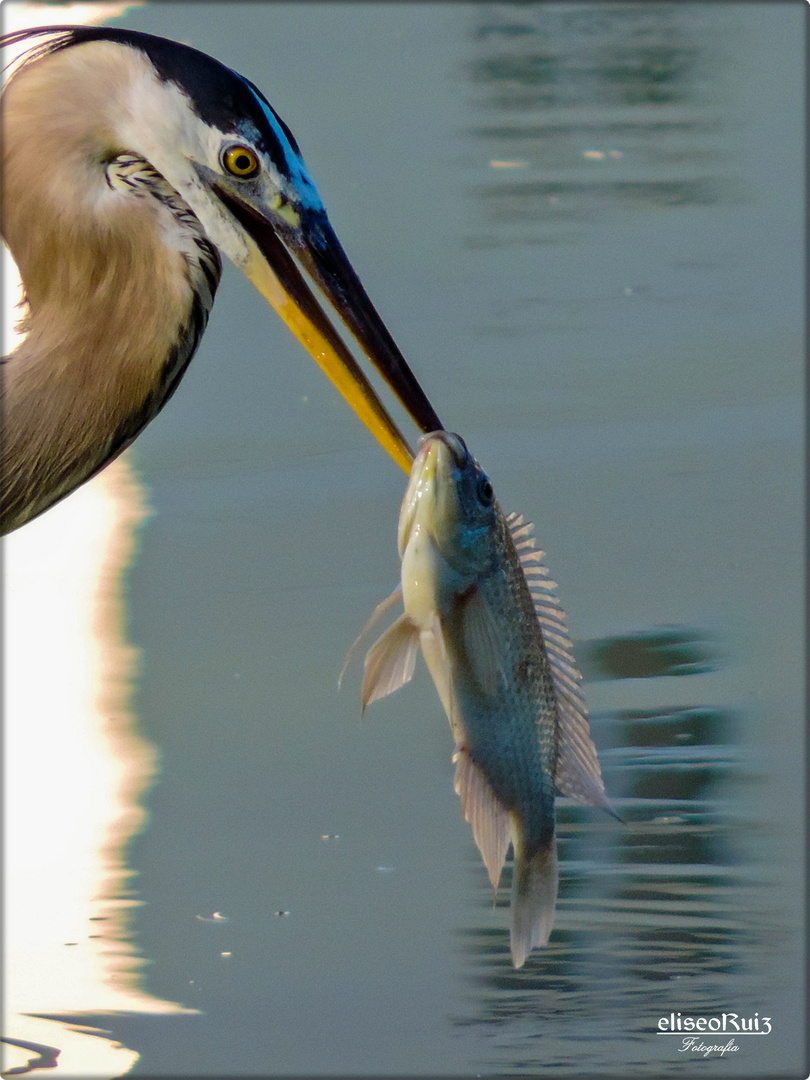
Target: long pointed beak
x=274 y=272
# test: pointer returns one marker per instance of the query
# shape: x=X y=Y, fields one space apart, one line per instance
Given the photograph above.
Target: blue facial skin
x=283 y=151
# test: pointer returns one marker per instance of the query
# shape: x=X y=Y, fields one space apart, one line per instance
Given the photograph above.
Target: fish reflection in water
x=480 y=605
x=650 y=915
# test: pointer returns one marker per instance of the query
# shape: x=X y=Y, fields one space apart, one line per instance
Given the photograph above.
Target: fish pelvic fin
x=434 y=650
x=378 y=611
x=534 y=897
x=390 y=661
x=489 y=820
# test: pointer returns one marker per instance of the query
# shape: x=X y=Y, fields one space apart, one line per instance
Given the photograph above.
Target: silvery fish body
x=480 y=605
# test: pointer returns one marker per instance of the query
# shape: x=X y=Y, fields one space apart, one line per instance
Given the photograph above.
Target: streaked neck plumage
x=119 y=276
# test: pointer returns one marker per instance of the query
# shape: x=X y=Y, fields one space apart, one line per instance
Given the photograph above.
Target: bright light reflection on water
x=76 y=770
x=75 y=767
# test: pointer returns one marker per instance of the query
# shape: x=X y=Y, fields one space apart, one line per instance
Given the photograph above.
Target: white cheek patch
x=161 y=126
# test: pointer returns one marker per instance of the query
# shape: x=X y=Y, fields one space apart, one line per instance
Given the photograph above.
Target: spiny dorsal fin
x=578 y=774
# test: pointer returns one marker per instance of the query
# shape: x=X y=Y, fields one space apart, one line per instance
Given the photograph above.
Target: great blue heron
x=131 y=162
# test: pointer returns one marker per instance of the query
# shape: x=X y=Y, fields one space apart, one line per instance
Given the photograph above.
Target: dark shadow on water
x=668 y=650
x=654 y=915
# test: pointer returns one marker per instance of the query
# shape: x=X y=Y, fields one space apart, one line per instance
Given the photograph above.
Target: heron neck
x=97 y=364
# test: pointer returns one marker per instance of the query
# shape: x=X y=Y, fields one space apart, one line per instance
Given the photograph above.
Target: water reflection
x=587 y=113
x=657 y=901
x=76 y=765
x=593 y=109
x=669 y=650
x=76 y=772
x=663 y=466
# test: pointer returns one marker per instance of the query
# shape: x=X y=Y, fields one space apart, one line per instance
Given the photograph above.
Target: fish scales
x=510 y=735
x=480 y=605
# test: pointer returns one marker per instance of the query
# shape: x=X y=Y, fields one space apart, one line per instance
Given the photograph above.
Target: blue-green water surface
x=583 y=225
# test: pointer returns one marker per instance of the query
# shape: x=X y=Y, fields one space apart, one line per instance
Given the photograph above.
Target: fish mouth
x=439 y=454
x=454 y=443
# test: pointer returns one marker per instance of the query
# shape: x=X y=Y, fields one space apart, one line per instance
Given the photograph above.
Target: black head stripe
x=220 y=97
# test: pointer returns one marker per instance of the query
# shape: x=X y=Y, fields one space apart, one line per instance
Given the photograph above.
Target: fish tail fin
x=534 y=895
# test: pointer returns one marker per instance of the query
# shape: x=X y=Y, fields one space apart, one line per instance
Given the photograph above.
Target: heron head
x=218 y=142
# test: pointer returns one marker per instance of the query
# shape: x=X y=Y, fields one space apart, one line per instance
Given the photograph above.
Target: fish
x=480 y=605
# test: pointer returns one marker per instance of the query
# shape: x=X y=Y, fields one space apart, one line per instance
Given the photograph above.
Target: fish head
x=450 y=499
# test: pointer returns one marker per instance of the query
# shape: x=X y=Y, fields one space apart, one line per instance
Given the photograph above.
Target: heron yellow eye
x=241 y=161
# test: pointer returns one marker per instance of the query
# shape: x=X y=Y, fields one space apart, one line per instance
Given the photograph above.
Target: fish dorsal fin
x=390 y=661
x=577 y=774
x=489 y=820
x=482 y=643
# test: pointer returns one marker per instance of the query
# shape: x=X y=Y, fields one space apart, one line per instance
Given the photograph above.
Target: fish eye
x=486 y=496
x=241 y=161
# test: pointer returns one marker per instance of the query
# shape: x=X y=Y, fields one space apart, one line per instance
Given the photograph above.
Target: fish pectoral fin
x=489 y=820
x=379 y=610
x=390 y=661
x=482 y=643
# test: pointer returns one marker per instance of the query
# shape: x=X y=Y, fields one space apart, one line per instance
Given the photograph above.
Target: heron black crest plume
x=130 y=165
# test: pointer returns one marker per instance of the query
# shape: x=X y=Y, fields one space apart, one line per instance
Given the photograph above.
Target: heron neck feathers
x=118 y=275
